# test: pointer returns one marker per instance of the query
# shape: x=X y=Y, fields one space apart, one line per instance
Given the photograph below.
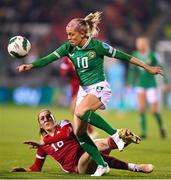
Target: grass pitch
x=18 y=123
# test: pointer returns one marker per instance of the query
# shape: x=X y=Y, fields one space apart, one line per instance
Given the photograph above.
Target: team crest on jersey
x=91 y=54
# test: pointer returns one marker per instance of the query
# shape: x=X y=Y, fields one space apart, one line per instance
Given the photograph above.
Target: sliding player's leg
x=118 y=164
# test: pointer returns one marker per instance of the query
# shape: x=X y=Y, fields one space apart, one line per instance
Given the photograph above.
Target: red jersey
x=68 y=68
x=63 y=147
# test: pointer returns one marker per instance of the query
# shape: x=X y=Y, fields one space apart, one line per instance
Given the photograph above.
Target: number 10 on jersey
x=82 y=62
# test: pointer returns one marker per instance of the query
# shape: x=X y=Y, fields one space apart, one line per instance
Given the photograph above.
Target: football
x=18 y=46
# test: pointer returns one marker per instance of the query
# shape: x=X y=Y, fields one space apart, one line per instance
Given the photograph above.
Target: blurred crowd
x=43 y=23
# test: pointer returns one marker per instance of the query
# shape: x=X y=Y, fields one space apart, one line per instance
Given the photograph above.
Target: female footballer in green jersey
x=87 y=55
x=146 y=85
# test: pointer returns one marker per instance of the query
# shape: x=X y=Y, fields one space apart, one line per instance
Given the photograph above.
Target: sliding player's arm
x=36 y=166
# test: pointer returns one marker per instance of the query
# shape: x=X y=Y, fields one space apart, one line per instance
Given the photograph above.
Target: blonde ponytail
x=92 y=20
x=87 y=25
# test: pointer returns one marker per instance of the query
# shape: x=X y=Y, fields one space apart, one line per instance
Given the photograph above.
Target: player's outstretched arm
x=38 y=63
x=126 y=57
x=151 y=69
x=37 y=164
x=24 y=67
x=34 y=144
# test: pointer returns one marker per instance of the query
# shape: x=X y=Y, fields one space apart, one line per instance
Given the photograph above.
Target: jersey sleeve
x=57 y=54
x=105 y=49
x=44 y=60
x=122 y=55
x=39 y=160
x=132 y=73
x=63 y=133
x=62 y=50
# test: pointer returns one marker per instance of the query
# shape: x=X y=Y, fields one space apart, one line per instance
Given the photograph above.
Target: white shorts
x=101 y=90
x=152 y=94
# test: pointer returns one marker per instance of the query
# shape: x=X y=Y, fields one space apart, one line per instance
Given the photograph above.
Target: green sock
x=143 y=124
x=92 y=118
x=88 y=145
x=159 y=120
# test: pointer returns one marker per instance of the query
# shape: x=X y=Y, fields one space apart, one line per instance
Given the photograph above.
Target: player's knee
x=80 y=112
x=85 y=115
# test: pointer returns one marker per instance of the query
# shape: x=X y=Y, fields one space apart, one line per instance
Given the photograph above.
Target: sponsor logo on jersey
x=91 y=54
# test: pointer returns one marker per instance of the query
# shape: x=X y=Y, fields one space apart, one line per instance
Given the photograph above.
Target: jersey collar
x=85 y=45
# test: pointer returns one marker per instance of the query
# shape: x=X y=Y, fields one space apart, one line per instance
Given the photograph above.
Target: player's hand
x=24 y=67
x=18 y=169
x=155 y=70
x=34 y=144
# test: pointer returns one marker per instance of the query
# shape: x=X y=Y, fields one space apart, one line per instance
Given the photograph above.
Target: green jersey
x=138 y=75
x=88 y=60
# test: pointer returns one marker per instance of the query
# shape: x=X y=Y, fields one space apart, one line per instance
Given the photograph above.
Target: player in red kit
x=59 y=141
x=67 y=69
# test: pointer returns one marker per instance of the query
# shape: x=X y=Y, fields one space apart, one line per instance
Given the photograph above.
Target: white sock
x=119 y=142
x=131 y=166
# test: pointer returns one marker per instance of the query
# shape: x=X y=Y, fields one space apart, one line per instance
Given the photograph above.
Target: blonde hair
x=92 y=20
x=87 y=25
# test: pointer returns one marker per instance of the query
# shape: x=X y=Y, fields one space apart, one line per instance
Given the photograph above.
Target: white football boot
x=100 y=171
